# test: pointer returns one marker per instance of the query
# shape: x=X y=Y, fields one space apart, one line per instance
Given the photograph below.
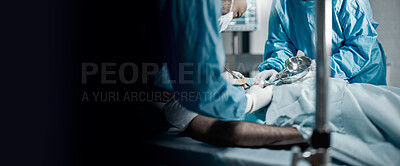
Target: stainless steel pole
x=321 y=136
x=324 y=50
x=320 y=140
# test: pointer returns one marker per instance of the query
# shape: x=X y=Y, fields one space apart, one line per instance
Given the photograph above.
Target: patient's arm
x=239 y=133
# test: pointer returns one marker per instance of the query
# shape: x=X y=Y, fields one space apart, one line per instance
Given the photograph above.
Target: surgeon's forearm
x=238 y=133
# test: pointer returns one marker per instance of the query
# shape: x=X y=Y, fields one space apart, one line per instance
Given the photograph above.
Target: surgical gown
x=194 y=54
x=357 y=55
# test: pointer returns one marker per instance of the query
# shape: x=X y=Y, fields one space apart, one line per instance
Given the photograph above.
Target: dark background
x=44 y=121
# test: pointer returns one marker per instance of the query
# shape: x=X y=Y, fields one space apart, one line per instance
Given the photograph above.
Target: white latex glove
x=313 y=65
x=312 y=71
x=229 y=77
x=267 y=74
x=258 y=97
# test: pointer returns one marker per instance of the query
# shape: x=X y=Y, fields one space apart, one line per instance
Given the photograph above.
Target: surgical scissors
x=234 y=75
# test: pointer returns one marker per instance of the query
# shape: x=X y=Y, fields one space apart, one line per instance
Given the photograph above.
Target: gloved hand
x=312 y=71
x=258 y=97
x=313 y=65
x=267 y=74
x=234 y=81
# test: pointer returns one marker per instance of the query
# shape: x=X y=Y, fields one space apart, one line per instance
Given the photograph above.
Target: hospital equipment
x=296 y=68
x=319 y=154
x=223 y=21
x=248 y=21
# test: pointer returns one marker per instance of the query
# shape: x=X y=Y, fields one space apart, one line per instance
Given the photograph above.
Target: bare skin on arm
x=239 y=7
x=240 y=133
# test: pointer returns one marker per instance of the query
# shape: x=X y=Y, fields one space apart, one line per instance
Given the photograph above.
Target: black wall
x=45 y=120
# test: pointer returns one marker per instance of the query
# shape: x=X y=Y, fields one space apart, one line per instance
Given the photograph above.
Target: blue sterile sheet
x=364 y=119
x=172 y=150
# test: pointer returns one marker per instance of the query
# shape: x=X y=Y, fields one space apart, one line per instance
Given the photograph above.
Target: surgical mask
x=224 y=20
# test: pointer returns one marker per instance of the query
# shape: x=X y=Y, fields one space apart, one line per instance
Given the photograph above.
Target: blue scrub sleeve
x=278 y=47
x=359 y=50
x=195 y=57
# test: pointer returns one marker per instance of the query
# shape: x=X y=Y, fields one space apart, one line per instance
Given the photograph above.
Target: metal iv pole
x=320 y=140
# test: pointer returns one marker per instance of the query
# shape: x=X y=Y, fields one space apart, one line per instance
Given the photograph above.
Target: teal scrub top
x=357 y=55
x=194 y=54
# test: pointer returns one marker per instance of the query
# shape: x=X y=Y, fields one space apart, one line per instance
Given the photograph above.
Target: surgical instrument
x=296 y=68
x=234 y=75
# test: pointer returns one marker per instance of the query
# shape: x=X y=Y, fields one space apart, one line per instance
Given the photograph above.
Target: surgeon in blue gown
x=357 y=55
x=194 y=54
